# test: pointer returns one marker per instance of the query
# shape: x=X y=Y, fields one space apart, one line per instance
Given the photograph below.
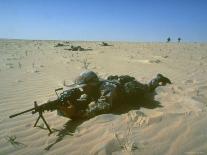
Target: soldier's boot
x=163 y=80
x=160 y=80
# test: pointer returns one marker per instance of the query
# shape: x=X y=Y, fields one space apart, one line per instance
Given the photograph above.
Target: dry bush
x=125 y=142
x=85 y=64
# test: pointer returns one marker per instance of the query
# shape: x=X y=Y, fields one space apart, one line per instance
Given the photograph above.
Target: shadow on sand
x=147 y=102
x=70 y=127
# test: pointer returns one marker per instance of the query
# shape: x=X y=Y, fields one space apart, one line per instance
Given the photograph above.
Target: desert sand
x=31 y=71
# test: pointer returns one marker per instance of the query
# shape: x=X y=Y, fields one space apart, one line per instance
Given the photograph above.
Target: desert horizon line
x=91 y=40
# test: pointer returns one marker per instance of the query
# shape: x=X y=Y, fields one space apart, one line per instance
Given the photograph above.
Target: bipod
x=42 y=117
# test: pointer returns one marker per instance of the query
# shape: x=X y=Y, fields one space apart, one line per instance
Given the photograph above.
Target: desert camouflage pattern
x=114 y=91
x=129 y=86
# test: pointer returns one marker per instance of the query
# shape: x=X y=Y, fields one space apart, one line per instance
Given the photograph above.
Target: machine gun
x=64 y=98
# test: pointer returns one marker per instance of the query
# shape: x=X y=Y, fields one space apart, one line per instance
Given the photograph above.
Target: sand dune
x=31 y=71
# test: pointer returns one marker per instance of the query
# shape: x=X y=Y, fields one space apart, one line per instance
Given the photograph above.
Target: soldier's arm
x=75 y=108
x=109 y=101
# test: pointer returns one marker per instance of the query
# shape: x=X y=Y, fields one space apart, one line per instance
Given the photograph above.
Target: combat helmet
x=87 y=78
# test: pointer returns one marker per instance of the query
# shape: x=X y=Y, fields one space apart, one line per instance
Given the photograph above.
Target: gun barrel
x=22 y=112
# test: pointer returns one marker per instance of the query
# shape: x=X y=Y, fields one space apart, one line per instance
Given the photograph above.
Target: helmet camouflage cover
x=87 y=77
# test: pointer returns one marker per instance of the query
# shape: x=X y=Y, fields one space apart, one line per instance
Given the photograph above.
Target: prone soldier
x=101 y=96
x=106 y=95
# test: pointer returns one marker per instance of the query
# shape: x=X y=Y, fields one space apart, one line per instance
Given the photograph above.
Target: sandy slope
x=31 y=70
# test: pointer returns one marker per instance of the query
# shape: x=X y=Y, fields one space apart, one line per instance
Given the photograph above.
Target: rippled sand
x=31 y=70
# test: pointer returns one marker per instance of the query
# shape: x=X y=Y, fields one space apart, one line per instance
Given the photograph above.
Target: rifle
x=65 y=98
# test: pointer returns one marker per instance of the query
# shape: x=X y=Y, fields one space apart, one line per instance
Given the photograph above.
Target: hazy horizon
x=129 y=41
x=133 y=21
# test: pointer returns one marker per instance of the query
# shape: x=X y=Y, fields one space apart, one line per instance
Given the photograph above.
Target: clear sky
x=121 y=20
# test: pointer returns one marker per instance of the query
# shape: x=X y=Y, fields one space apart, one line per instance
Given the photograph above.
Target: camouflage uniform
x=104 y=103
x=108 y=95
x=121 y=90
